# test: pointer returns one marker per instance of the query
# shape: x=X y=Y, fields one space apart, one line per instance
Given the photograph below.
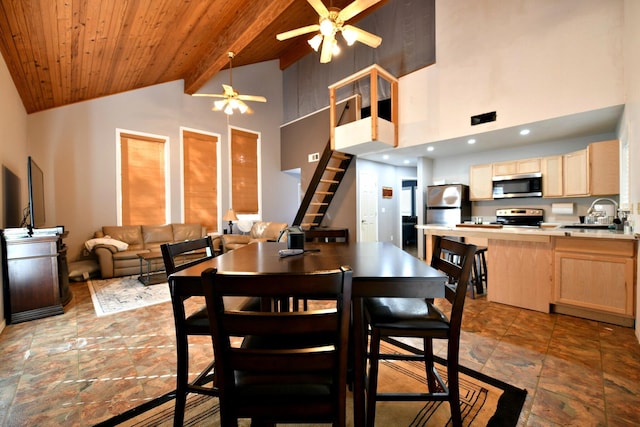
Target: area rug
x=484 y=402
x=120 y=294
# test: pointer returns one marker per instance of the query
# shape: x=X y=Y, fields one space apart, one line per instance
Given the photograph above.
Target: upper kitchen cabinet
x=576 y=174
x=604 y=167
x=594 y=171
x=552 y=181
x=516 y=166
x=480 y=182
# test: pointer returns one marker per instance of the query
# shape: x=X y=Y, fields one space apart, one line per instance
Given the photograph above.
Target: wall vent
x=483 y=118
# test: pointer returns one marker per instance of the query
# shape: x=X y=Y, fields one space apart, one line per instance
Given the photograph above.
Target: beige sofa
x=116 y=262
x=261 y=231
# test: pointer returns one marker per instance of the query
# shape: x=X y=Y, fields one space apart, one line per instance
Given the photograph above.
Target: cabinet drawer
x=596 y=246
x=30 y=250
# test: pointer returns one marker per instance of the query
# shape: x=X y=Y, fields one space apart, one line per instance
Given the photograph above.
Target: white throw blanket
x=120 y=246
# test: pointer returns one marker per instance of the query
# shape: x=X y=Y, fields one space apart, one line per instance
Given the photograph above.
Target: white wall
x=13 y=144
x=75 y=146
x=527 y=60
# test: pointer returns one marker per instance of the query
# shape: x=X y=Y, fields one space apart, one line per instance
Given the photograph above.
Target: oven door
x=512 y=186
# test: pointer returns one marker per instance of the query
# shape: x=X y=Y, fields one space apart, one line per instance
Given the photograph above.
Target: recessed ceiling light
x=386 y=157
x=430 y=148
x=524 y=132
x=471 y=141
x=406 y=162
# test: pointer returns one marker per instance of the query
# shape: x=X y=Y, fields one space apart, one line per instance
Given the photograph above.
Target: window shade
x=200 y=179
x=142 y=180
x=244 y=172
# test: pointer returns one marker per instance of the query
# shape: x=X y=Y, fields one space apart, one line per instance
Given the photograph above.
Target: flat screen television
x=36 y=195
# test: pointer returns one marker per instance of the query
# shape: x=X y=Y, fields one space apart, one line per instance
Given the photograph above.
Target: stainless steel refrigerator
x=448 y=204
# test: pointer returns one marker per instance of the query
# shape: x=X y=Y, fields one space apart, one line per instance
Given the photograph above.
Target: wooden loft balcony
x=373 y=133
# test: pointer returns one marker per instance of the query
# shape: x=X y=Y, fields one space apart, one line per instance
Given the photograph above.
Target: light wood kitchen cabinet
x=516 y=167
x=520 y=273
x=604 y=168
x=480 y=182
x=595 y=274
x=552 y=181
x=575 y=173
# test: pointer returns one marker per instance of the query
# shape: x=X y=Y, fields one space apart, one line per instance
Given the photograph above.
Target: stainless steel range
x=520 y=217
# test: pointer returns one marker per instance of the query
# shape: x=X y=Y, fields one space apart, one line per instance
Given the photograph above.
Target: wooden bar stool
x=479 y=272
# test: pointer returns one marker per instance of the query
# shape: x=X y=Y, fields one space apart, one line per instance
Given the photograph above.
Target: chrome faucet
x=602 y=199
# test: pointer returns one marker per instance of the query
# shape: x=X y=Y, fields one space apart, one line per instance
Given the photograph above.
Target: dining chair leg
x=454 y=387
x=182 y=379
x=429 y=367
x=372 y=385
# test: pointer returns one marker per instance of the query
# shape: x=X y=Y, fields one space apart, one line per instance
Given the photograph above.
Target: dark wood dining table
x=379 y=269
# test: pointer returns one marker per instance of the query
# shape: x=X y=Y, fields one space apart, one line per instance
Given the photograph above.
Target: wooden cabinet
x=604 y=168
x=31 y=277
x=575 y=173
x=520 y=272
x=480 y=182
x=595 y=274
x=516 y=167
x=552 y=181
x=592 y=171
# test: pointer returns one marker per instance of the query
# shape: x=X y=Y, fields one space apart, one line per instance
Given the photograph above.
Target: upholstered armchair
x=261 y=231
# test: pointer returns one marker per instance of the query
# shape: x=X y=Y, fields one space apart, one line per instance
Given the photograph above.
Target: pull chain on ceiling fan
x=332 y=21
x=232 y=100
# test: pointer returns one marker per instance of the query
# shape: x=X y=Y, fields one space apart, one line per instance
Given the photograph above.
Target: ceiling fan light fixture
x=349 y=36
x=219 y=105
x=315 y=42
x=335 y=49
x=327 y=27
x=228 y=109
x=242 y=107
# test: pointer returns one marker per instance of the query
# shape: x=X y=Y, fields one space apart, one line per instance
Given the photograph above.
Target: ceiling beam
x=250 y=22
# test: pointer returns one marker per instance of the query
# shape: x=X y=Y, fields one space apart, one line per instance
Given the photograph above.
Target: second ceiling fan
x=231 y=99
x=332 y=21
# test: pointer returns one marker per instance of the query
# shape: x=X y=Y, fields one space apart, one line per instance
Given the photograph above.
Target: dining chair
x=190 y=322
x=194 y=323
x=281 y=366
x=420 y=318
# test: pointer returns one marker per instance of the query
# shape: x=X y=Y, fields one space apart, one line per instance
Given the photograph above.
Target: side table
x=147 y=275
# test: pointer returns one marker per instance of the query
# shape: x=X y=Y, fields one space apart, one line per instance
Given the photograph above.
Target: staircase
x=325 y=182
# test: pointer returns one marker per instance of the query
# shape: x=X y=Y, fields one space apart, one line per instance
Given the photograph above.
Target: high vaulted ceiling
x=64 y=51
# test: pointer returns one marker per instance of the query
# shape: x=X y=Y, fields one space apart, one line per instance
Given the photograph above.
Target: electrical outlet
x=314 y=157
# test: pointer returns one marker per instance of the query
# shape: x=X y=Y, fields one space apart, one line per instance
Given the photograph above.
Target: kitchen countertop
x=524 y=233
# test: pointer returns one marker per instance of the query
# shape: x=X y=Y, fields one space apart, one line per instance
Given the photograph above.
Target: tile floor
x=78 y=369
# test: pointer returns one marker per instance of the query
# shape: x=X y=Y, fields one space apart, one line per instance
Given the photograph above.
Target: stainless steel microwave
x=523 y=185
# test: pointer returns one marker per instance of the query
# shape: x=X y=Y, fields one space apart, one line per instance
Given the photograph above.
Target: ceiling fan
x=332 y=21
x=231 y=99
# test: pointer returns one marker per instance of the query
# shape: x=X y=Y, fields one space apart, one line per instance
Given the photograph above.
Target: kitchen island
x=585 y=273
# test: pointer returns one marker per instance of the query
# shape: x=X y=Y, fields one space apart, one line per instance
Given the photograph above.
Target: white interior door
x=368 y=189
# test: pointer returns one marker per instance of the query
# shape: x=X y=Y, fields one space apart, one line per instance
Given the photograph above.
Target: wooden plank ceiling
x=64 y=51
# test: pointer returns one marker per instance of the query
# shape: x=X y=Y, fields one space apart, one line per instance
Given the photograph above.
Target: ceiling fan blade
x=228 y=90
x=298 y=32
x=320 y=8
x=255 y=98
x=327 y=47
x=364 y=36
x=355 y=8
x=212 y=95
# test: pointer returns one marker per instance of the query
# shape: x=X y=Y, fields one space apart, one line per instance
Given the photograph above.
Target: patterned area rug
x=120 y=294
x=484 y=402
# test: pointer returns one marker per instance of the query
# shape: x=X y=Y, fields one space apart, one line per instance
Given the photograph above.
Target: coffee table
x=147 y=276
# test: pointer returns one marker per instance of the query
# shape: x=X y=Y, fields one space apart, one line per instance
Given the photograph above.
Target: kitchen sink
x=588 y=226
